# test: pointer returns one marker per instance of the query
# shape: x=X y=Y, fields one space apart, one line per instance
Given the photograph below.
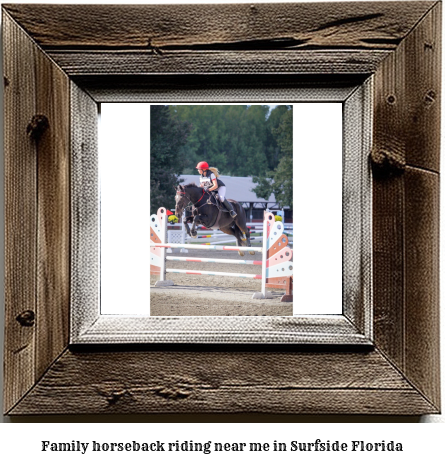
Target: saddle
x=212 y=200
x=216 y=202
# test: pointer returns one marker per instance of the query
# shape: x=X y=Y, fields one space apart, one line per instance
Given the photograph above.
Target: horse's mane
x=192 y=184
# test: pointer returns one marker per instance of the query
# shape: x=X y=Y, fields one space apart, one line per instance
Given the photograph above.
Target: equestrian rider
x=210 y=182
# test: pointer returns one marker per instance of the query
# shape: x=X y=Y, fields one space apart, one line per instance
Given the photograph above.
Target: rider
x=210 y=182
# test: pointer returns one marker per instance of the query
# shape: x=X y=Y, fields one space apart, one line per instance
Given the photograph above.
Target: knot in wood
x=26 y=318
x=37 y=126
x=387 y=163
x=173 y=393
x=115 y=396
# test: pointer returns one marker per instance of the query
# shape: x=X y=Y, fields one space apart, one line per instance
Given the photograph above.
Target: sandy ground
x=201 y=295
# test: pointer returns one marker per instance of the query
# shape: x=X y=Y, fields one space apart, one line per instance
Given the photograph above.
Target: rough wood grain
x=81 y=62
x=423 y=92
x=422 y=205
x=357 y=185
x=85 y=259
x=20 y=213
x=406 y=136
x=389 y=141
x=389 y=161
x=407 y=112
x=222 y=382
x=53 y=198
x=388 y=268
x=422 y=281
x=275 y=25
x=225 y=88
x=107 y=329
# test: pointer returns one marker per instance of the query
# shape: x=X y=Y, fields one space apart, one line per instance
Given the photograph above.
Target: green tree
x=272 y=147
x=168 y=136
x=284 y=134
x=280 y=180
x=231 y=137
x=241 y=140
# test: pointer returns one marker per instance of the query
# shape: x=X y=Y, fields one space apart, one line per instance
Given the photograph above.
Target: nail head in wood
x=430 y=97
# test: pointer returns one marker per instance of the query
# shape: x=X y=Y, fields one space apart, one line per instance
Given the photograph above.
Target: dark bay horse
x=210 y=216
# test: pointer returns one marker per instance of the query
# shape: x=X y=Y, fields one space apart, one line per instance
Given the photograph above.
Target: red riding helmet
x=202 y=165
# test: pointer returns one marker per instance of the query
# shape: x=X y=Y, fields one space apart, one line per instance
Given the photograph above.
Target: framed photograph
x=370 y=347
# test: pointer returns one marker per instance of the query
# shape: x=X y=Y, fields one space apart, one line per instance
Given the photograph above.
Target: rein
x=194 y=204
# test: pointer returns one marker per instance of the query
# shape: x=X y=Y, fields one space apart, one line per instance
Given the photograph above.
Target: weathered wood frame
x=102 y=50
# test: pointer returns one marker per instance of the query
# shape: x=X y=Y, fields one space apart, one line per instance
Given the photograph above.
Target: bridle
x=190 y=201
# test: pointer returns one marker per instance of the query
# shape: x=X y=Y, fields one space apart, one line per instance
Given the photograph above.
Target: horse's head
x=181 y=200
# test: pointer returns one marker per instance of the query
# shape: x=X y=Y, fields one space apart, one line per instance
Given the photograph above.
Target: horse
x=211 y=215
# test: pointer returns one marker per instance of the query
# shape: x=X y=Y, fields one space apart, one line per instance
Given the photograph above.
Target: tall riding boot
x=229 y=207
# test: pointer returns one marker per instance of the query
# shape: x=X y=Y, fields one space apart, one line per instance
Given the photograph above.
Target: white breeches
x=222 y=193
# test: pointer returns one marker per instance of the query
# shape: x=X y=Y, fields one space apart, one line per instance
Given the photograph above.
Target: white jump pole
x=215 y=260
x=184 y=234
x=159 y=226
x=211 y=247
x=224 y=242
x=215 y=273
x=264 y=251
x=163 y=222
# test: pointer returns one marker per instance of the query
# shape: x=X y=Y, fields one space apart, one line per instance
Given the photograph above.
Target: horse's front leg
x=196 y=220
x=186 y=221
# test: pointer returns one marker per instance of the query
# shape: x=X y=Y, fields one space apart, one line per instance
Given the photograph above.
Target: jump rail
x=180 y=237
x=277 y=269
x=211 y=247
x=215 y=260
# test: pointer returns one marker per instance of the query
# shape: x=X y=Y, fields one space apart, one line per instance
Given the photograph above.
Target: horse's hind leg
x=247 y=235
x=240 y=241
x=243 y=238
x=240 y=224
x=234 y=232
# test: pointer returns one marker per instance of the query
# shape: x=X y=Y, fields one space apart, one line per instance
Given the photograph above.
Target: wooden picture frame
x=76 y=56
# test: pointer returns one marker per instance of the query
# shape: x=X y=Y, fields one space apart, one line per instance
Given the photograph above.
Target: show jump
x=277 y=268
